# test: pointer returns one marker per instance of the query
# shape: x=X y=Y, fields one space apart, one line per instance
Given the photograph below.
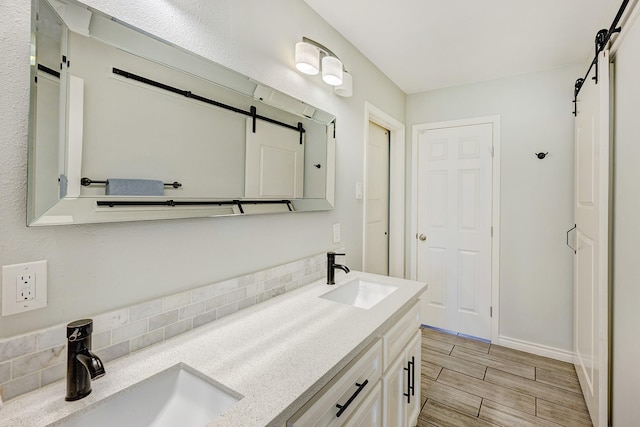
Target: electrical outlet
x=24 y=287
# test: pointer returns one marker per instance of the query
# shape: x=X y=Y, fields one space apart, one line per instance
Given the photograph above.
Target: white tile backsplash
x=146 y=340
x=114 y=351
x=190 y=311
x=5 y=372
x=164 y=319
x=53 y=374
x=142 y=311
x=123 y=333
x=111 y=320
x=10 y=349
x=204 y=318
x=36 y=361
x=175 y=301
x=178 y=328
x=101 y=340
x=20 y=386
x=33 y=360
x=52 y=337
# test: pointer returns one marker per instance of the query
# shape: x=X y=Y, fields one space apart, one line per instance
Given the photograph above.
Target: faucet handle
x=335 y=254
x=79 y=329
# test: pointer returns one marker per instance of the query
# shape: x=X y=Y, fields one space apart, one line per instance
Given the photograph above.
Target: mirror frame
x=72 y=207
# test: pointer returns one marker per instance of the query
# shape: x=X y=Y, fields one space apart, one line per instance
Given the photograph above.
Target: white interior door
x=591 y=294
x=377 y=200
x=274 y=162
x=454 y=200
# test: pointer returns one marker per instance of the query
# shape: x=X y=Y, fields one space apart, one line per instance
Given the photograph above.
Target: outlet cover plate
x=10 y=275
x=337 y=234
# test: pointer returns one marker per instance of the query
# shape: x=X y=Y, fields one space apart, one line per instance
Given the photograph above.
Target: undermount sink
x=178 y=396
x=360 y=293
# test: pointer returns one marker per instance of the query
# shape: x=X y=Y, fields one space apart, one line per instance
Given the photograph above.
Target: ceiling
x=427 y=44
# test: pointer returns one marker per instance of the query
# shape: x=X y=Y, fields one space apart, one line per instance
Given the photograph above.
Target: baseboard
x=539 y=349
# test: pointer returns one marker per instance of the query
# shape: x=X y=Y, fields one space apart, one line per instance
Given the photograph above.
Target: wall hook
x=541 y=155
x=318 y=165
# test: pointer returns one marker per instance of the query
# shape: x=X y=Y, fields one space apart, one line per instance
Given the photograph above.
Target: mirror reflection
x=125 y=126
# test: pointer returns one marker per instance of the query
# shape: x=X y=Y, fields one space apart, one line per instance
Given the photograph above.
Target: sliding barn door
x=591 y=273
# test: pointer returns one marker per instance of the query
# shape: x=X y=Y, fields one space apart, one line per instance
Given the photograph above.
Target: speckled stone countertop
x=277 y=354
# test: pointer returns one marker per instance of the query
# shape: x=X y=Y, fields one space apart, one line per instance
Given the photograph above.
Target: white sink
x=178 y=396
x=360 y=293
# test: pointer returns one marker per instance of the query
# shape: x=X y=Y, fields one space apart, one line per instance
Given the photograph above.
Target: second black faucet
x=331 y=267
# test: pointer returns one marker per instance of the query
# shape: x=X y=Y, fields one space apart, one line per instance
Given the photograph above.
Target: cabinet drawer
x=396 y=338
x=348 y=389
x=369 y=413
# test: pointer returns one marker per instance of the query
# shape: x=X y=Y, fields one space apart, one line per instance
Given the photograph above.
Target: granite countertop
x=276 y=354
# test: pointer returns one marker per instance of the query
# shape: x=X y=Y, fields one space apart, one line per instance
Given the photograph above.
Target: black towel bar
x=88 y=181
x=174 y=203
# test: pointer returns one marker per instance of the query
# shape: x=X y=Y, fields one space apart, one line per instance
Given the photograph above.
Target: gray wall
x=536 y=268
x=625 y=410
x=95 y=268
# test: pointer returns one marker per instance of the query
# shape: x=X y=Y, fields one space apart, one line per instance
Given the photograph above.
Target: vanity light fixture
x=312 y=57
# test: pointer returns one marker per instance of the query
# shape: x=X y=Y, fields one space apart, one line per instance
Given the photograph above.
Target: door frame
x=495 y=206
x=396 y=186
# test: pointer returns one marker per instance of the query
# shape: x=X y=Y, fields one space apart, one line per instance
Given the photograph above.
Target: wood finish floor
x=467 y=382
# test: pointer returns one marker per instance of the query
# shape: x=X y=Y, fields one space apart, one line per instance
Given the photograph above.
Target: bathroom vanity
x=297 y=359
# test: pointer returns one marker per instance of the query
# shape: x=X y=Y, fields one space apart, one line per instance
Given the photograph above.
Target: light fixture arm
x=324 y=50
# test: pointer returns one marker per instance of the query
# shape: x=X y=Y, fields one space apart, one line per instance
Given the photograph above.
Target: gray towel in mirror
x=134 y=187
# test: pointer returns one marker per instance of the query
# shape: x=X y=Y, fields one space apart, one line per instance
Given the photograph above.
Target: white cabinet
x=379 y=387
x=401 y=379
x=339 y=399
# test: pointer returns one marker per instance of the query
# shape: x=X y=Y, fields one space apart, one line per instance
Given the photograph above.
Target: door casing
x=495 y=207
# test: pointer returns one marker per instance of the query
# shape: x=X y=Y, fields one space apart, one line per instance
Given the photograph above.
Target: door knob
x=422 y=237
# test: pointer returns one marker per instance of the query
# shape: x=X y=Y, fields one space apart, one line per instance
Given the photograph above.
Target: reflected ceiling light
x=311 y=57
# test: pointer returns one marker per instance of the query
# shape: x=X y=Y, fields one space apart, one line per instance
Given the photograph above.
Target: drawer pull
x=411 y=379
x=413 y=375
x=344 y=407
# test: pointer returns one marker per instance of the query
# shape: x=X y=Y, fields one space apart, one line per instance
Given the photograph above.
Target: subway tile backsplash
x=34 y=360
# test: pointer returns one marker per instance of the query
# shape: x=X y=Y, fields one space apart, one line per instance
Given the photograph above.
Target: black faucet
x=82 y=365
x=331 y=267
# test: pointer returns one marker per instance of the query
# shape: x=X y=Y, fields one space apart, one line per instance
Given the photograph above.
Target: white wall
x=95 y=268
x=625 y=410
x=536 y=268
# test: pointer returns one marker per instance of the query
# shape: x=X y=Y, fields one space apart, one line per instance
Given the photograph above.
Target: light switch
x=336 y=233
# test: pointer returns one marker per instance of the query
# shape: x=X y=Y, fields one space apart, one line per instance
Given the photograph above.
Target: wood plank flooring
x=467 y=382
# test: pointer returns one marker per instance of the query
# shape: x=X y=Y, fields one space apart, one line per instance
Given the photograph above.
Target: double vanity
x=301 y=359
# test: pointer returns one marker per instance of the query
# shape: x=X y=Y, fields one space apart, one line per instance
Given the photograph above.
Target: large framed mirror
x=125 y=126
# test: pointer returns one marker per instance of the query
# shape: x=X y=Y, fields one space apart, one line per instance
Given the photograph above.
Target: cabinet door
x=394 y=387
x=413 y=359
x=401 y=387
x=369 y=413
